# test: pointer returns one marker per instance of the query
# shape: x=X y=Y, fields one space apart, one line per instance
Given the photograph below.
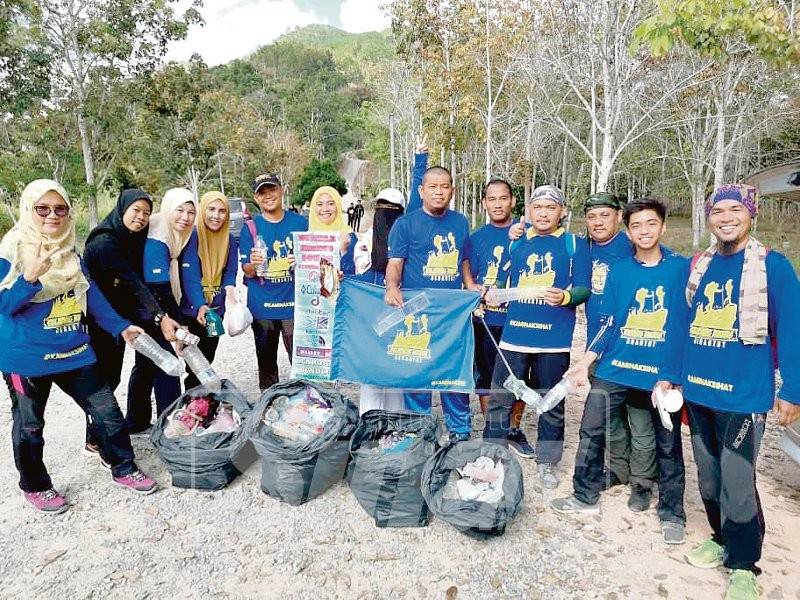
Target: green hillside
x=347 y=48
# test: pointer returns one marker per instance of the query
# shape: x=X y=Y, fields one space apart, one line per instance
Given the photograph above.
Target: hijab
x=161 y=230
x=314 y=223
x=212 y=246
x=21 y=244
x=130 y=243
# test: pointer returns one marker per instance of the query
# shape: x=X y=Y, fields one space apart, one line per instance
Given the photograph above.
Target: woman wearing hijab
x=170 y=229
x=208 y=272
x=325 y=214
x=44 y=300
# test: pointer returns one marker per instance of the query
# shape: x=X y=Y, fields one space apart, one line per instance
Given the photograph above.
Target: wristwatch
x=157 y=318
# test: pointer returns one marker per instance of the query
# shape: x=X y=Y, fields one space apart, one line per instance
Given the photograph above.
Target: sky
x=235 y=28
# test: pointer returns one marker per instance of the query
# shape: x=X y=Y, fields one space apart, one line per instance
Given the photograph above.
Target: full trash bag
x=298 y=471
x=204 y=462
x=472 y=517
x=387 y=484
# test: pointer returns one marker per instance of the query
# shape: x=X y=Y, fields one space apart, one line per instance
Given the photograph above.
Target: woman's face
x=137 y=216
x=51 y=214
x=182 y=218
x=326 y=209
x=216 y=215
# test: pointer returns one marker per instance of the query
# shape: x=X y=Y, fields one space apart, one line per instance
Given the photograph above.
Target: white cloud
x=358 y=16
x=235 y=29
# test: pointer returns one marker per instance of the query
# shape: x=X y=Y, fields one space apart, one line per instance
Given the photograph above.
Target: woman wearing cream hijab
x=325 y=214
x=170 y=230
x=44 y=302
x=208 y=272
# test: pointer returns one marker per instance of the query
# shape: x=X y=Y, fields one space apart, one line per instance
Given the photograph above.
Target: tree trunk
x=88 y=167
x=719 y=150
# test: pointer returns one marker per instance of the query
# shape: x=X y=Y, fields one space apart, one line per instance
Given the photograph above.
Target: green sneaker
x=707 y=555
x=742 y=586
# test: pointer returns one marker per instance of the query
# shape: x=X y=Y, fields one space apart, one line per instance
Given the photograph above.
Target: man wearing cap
x=270 y=292
x=740 y=295
x=537 y=335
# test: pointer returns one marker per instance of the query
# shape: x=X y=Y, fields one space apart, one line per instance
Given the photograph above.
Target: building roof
x=781 y=181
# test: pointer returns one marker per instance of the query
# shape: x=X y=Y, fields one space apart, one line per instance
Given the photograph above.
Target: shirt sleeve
x=399 y=239
x=192 y=273
x=581 y=265
x=156 y=262
x=470 y=253
x=19 y=294
x=232 y=265
x=606 y=317
x=783 y=292
x=677 y=326
x=245 y=244
x=420 y=165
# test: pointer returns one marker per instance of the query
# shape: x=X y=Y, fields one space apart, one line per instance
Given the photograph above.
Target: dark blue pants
x=267 y=333
x=725 y=449
x=539 y=371
x=85 y=386
x=603 y=400
x=145 y=379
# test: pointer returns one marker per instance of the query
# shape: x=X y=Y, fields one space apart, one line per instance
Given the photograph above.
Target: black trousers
x=267 y=333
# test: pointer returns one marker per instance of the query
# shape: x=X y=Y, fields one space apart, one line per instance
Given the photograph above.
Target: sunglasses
x=44 y=211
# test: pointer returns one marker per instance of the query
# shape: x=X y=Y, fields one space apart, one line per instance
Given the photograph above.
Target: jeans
x=266 y=333
x=85 y=386
x=604 y=398
x=725 y=449
x=207 y=345
x=146 y=378
x=455 y=406
x=541 y=371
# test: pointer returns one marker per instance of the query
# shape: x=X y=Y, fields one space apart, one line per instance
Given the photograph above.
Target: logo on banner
x=714 y=320
x=442 y=264
x=412 y=343
x=645 y=323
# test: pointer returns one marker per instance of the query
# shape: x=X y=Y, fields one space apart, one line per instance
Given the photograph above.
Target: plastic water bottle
x=394 y=316
x=522 y=392
x=187 y=337
x=261 y=246
x=556 y=394
x=214 y=327
x=164 y=360
x=202 y=369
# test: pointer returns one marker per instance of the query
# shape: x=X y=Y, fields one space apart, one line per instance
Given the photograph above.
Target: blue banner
x=428 y=350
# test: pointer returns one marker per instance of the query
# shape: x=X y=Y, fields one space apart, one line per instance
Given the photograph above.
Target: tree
x=315 y=175
x=23 y=62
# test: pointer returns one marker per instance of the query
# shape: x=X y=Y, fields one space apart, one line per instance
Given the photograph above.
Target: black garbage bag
x=474 y=518
x=204 y=462
x=296 y=472
x=387 y=484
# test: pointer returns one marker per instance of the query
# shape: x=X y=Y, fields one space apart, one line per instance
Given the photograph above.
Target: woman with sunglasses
x=170 y=229
x=45 y=297
x=208 y=272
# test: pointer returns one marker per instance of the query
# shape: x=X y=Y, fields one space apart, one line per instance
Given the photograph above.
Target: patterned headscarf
x=746 y=194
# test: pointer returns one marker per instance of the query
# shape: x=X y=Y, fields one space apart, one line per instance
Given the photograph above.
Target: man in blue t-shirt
x=268 y=265
x=743 y=300
x=552 y=267
x=640 y=350
x=428 y=249
x=488 y=251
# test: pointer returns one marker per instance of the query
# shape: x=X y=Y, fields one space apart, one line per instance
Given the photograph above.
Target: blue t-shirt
x=721 y=372
x=272 y=297
x=192 y=278
x=156 y=261
x=43 y=338
x=645 y=341
x=543 y=261
x=433 y=248
x=604 y=258
x=487 y=252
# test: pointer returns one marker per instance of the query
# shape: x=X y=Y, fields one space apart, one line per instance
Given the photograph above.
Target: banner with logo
x=316 y=288
x=428 y=350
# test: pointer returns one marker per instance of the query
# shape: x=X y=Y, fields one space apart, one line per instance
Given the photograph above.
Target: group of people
x=714 y=327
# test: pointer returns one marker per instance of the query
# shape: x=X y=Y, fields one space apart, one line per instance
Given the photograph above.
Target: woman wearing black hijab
x=113 y=255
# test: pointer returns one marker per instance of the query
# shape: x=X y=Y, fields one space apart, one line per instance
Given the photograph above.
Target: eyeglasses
x=44 y=211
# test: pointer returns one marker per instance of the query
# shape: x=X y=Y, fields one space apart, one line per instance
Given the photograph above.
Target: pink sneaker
x=49 y=501
x=137 y=482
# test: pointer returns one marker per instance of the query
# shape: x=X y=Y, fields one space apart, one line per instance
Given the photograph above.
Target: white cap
x=392 y=195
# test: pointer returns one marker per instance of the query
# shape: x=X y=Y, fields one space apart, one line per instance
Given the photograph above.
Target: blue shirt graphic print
x=488 y=251
x=604 y=258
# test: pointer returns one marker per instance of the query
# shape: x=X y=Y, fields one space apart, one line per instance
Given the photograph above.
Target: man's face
x=498 y=203
x=545 y=215
x=436 y=191
x=269 y=198
x=645 y=229
x=603 y=223
x=730 y=221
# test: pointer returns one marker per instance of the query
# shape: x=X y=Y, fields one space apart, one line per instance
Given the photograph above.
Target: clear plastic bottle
x=522 y=392
x=187 y=337
x=202 y=369
x=261 y=246
x=147 y=346
x=394 y=316
x=556 y=394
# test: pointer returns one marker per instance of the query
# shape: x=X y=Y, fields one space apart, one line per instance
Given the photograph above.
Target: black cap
x=265 y=179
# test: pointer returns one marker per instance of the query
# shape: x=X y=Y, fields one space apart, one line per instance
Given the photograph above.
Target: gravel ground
x=240 y=543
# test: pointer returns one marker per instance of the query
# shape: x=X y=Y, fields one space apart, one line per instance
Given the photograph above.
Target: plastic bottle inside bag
x=165 y=361
x=202 y=369
x=394 y=316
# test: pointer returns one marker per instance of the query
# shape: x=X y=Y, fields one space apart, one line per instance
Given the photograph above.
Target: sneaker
x=707 y=555
x=639 y=500
x=48 y=501
x=137 y=482
x=454 y=438
x=519 y=444
x=93 y=451
x=548 y=476
x=742 y=585
x=673 y=532
x=571 y=505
